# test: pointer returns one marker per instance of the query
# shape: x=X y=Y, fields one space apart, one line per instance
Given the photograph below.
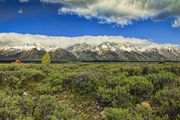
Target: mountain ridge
x=85 y=48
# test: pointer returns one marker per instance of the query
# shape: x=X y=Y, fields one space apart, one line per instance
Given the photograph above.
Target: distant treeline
x=64 y=61
x=27 y=61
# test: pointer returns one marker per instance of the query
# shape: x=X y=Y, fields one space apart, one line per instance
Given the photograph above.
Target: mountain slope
x=33 y=47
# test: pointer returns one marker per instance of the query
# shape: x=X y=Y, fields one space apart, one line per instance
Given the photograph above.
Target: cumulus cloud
x=176 y=23
x=121 y=12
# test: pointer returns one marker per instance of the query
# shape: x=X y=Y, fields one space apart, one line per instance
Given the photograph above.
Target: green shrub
x=151 y=69
x=21 y=77
x=53 y=83
x=43 y=89
x=67 y=79
x=118 y=97
x=140 y=87
x=85 y=84
x=117 y=114
x=173 y=68
x=9 y=108
x=137 y=113
x=134 y=91
x=146 y=113
x=168 y=101
x=161 y=79
x=28 y=106
x=105 y=96
x=50 y=108
x=113 y=81
x=134 y=71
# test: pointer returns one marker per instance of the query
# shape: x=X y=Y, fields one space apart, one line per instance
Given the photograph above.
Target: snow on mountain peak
x=107 y=46
x=23 y=41
x=29 y=46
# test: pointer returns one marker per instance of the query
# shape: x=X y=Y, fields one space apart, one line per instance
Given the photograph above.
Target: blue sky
x=37 y=17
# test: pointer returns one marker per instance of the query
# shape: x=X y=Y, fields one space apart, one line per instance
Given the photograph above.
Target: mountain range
x=105 y=48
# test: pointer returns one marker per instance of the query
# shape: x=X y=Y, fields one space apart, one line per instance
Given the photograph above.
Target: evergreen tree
x=61 y=56
x=46 y=59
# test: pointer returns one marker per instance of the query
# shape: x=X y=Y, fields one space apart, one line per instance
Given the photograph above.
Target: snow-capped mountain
x=33 y=47
x=29 y=46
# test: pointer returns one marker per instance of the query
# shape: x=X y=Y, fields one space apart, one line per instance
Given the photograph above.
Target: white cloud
x=20 y=11
x=14 y=39
x=176 y=23
x=121 y=12
x=23 y=1
x=20 y=40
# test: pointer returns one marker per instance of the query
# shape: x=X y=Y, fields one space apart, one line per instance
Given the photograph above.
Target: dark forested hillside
x=90 y=91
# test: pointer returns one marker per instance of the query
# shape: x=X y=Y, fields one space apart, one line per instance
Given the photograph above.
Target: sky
x=155 y=20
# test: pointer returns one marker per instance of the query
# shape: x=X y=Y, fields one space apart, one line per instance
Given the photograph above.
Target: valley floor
x=90 y=91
